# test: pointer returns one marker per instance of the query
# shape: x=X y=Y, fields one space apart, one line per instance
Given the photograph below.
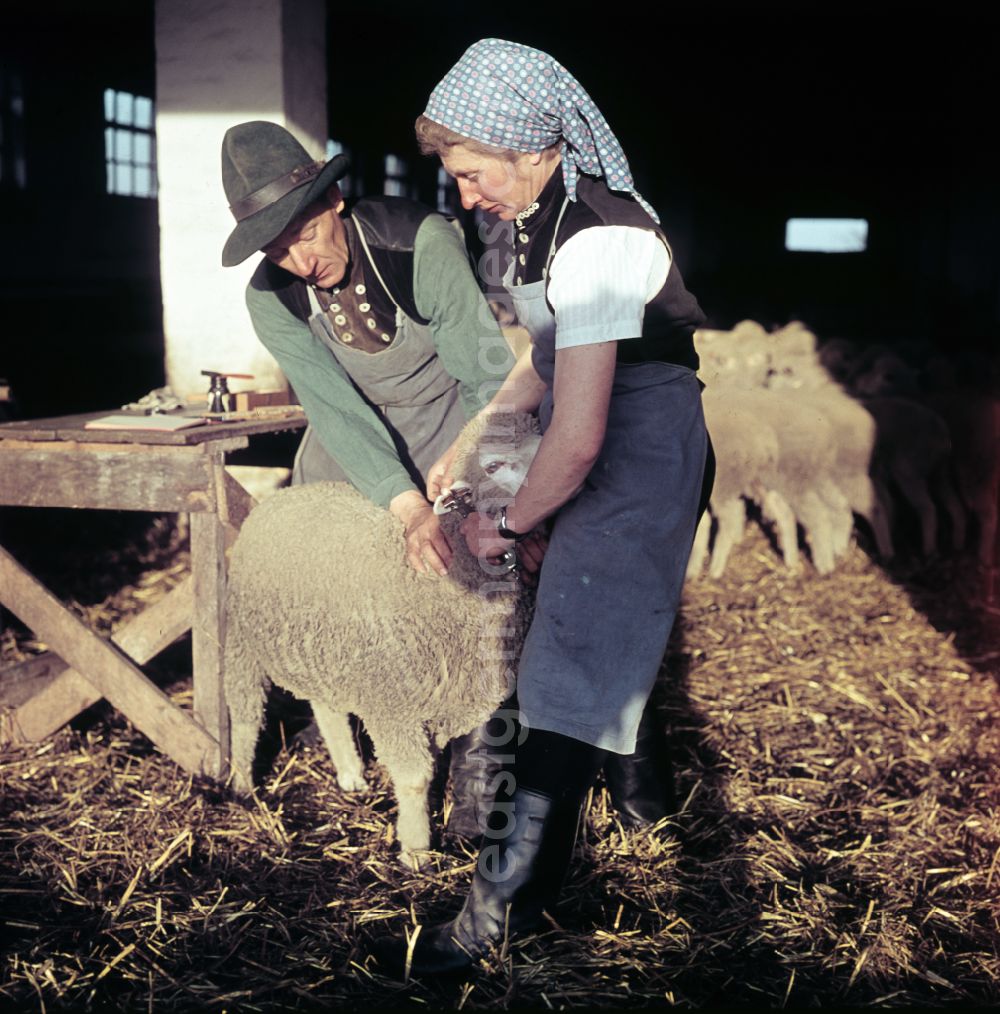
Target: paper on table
x=157 y=421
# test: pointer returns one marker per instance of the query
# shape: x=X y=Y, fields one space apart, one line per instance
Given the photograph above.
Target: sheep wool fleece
x=613 y=573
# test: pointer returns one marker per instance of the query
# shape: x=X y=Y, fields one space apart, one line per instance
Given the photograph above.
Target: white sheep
x=737 y=364
x=322 y=603
x=746 y=453
x=853 y=436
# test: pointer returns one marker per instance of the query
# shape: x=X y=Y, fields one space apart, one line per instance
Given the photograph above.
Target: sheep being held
x=322 y=602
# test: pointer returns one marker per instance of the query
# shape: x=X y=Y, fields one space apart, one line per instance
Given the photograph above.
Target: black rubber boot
x=476 y=762
x=641 y=784
x=525 y=855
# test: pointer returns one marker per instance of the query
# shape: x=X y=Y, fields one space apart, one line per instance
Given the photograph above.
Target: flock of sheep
x=822 y=436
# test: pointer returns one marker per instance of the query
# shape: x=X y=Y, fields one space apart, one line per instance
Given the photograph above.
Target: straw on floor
x=836 y=840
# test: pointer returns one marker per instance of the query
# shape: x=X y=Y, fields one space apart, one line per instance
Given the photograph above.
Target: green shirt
x=466 y=335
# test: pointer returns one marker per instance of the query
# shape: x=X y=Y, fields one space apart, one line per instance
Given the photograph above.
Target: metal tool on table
x=219 y=398
x=460 y=499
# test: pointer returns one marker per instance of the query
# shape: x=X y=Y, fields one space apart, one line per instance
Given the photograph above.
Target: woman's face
x=494 y=184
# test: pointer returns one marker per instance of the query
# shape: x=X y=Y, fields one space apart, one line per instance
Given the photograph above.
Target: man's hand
x=439 y=477
x=427 y=549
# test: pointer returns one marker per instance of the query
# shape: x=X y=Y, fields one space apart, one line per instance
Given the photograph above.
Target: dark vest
x=671 y=316
x=390 y=226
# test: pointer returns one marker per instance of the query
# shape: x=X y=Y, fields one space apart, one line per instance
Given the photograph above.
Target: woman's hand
x=427 y=548
x=485 y=542
x=483 y=539
x=530 y=552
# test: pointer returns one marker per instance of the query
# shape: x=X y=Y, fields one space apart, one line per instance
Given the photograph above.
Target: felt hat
x=269 y=178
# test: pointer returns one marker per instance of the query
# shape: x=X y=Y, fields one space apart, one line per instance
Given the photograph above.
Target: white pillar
x=218 y=63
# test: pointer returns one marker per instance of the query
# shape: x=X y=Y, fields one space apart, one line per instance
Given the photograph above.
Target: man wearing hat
x=378 y=323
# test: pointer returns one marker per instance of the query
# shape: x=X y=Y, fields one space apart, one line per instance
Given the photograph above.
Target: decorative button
x=517 y=281
x=335 y=307
x=340 y=320
x=347 y=337
x=371 y=323
x=364 y=307
x=520 y=258
x=386 y=339
x=359 y=289
x=523 y=237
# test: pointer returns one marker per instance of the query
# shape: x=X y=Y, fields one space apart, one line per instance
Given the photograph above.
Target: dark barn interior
x=735 y=119
x=833 y=736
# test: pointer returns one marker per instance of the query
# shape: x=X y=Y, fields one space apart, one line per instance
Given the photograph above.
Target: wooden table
x=58 y=463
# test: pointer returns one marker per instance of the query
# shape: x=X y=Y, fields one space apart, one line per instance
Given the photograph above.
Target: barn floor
x=837 y=840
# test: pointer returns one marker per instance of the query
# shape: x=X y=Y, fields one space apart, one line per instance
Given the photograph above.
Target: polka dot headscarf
x=513 y=96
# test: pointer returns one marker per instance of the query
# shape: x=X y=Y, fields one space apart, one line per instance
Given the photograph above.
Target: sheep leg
x=246 y=691
x=406 y=754
x=885 y=501
x=335 y=727
x=987 y=514
x=878 y=520
x=863 y=501
x=842 y=520
x=815 y=518
x=731 y=516
x=775 y=508
x=699 y=549
x=948 y=496
x=913 y=489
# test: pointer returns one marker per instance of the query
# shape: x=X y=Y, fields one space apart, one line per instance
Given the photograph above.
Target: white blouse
x=600 y=281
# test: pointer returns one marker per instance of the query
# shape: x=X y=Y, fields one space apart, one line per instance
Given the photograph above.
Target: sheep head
x=494 y=455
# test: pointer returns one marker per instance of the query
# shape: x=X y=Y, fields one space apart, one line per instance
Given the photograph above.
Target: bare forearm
x=573 y=440
x=555 y=476
x=522 y=391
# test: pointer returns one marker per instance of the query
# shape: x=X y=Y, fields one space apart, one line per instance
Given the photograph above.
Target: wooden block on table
x=243 y=401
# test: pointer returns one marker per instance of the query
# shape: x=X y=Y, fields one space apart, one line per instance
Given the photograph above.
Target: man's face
x=314 y=245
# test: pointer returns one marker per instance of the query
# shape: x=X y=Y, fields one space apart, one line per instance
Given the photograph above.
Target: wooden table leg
x=208 y=630
x=66 y=692
x=171 y=728
x=208 y=627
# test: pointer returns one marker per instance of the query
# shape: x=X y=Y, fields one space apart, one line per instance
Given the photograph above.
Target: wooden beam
x=66 y=693
x=129 y=477
x=22 y=680
x=174 y=731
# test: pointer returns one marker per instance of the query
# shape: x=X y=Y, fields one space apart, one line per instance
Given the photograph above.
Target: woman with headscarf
x=621 y=475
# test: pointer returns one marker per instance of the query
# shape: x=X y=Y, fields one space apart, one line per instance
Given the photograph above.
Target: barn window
x=13 y=165
x=447 y=192
x=395 y=176
x=826 y=235
x=129 y=144
x=336 y=148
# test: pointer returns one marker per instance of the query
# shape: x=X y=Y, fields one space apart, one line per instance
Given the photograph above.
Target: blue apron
x=611 y=581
